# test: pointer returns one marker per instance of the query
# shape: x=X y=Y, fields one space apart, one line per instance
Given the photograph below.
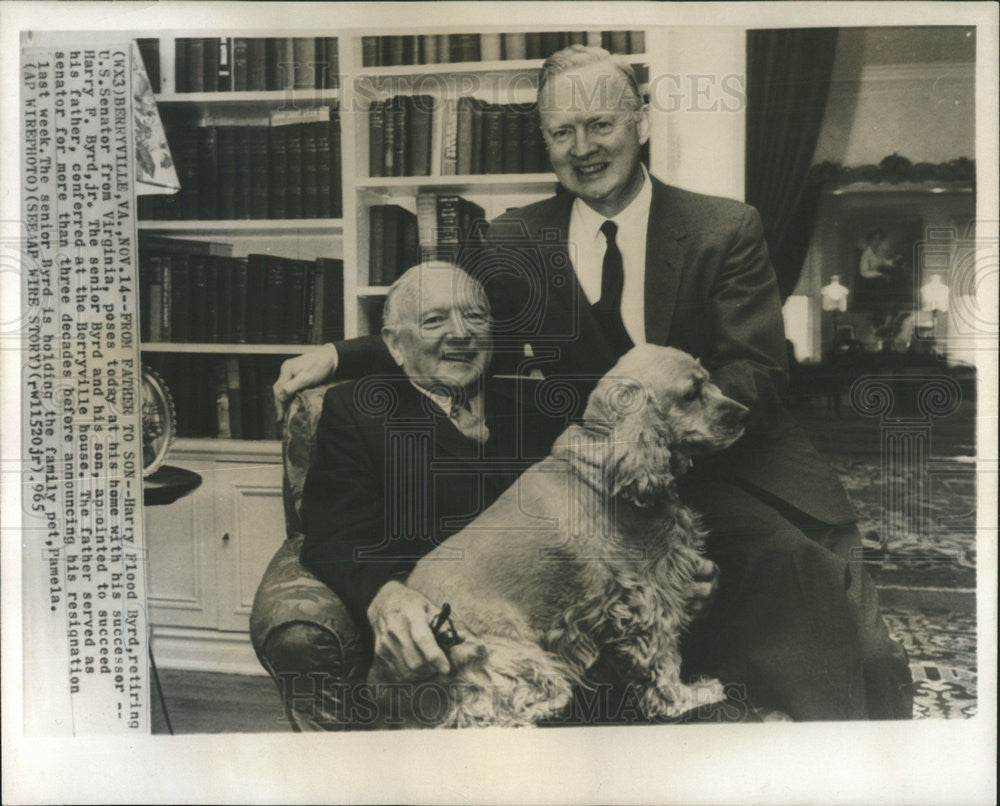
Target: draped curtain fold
x=788 y=80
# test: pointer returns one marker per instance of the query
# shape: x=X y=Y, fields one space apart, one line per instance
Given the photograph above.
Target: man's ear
x=391 y=339
x=643 y=124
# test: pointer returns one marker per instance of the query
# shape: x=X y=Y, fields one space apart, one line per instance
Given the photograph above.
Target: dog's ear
x=638 y=464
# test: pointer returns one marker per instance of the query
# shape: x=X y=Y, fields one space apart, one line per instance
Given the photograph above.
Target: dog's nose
x=736 y=413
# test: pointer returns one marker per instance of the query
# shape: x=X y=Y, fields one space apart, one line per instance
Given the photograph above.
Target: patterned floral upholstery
x=301 y=631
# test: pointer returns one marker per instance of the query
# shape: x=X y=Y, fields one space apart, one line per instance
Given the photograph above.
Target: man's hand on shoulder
x=702 y=591
x=400 y=619
x=301 y=372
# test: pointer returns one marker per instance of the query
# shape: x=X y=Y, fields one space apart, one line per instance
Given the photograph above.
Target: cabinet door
x=250 y=526
x=181 y=575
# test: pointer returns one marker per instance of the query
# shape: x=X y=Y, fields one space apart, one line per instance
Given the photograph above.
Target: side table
x=166 y=485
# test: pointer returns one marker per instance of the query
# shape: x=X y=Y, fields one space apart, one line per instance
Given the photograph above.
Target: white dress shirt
x=587 y=245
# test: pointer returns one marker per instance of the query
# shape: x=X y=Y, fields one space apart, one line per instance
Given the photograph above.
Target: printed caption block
x=85 y=627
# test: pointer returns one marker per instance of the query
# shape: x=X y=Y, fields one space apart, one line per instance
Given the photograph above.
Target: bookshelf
x=208 y=552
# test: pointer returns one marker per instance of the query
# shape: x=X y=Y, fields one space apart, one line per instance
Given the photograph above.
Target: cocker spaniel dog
x=589 y=551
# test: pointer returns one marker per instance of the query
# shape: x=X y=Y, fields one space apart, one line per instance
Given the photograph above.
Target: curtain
x=788 y=80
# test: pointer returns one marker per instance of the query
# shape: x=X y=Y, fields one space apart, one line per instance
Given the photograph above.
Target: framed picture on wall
x=881 y=251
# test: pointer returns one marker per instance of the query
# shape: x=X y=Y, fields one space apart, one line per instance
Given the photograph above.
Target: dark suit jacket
x=710 y=290
x=392 y=477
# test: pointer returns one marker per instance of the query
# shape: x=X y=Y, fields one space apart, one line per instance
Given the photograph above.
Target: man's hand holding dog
x=400 y=618
x=701 y=594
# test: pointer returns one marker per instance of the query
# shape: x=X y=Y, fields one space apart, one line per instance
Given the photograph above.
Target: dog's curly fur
x=590 y=551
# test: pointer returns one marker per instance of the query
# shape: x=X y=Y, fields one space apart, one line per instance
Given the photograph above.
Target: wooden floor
x=207 y=702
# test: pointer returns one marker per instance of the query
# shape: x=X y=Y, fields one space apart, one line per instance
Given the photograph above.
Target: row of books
x=281 y=171
x=388 y=51
x=221 y=396
x=444 y=226
x=260 y=299
x=414 y=135
x=238 y=64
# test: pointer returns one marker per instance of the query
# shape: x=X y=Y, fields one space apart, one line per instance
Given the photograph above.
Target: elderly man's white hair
x=406 y=290
x=581 y=55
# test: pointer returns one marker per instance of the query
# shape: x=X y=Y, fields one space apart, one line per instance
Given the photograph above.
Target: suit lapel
x=664 y=260
x=568 y=310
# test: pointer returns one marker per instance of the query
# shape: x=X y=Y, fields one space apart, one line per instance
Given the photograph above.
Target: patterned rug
x=942 y=649
x=926 y=535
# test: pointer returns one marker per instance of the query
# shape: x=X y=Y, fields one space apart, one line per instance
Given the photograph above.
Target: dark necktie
x=608 y=309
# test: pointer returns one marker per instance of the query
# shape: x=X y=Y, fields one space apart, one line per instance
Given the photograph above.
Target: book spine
x=278 y=173
x=309 y=304
x=195 y=80
x=392 y=247
x=256 y=64
x=221 y=387
x=310 y=186
x=250 y=398
x=241 y=64
x=447 y=227
x=489 y=47
x=240 y=289
x=324 y=178
x=155 y=296
x=427 y=223
x=476 y=147
x=400 y=135
x=256 y=273
x=224 y=298
x=463 y=159
x=443 y=48
x=576 y=38
x=409 y=247
x=304 y=62
x=180 y=297
x=376 y=245
x=317 y=316
x=471 y=222
x=166 y=298
x=242 y=191
x=533 y=46
x=533 y=153
x=272 y=64
x=428 y=49
x=226 y=65
x=234 y=397
x=464 y=47
x=392 y=51
x=514 y=46
x=294 y=287
x=493 y=124
x=210 y=64
x=180 y=64
x=595 y=39
x=513 y=140
x=421 y=124
x=636 y=41
x=260 y=171
x=332 y=64
x=208 y=176
x=409 y=50
x=376 y=139
x=449 y=149
x=551 y=42
x=336 y=178
x=617 y=41
x=212 y=321
x=167 y=244
x=274 y=300
x=145 y=289
x=293 y=171
x=188 y=173
x=370 y=51
x=226 y=139
x=286 y=63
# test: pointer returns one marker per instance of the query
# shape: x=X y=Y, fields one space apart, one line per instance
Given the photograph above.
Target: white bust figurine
x=934 y=295
x=834 y=295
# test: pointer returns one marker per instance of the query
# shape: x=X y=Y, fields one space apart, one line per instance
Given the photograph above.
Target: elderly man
x=623 y=258
x=405 y=459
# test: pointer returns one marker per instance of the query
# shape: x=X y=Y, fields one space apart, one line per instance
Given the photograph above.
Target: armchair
x=301 y=632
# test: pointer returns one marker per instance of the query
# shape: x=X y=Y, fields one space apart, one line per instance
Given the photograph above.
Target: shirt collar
x=445 y=402
x=637 y=210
